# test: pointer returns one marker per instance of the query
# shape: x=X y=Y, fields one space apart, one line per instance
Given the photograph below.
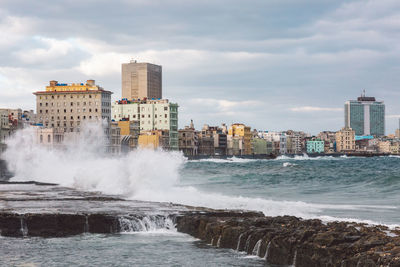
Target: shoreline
x=271 y=156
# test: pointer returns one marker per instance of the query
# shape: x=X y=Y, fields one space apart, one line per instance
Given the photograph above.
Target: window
x=41 y=138
x=48 y=139
x=165 y=108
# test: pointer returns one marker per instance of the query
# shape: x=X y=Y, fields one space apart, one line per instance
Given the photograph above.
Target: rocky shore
x=45 y=210
x=292 y=241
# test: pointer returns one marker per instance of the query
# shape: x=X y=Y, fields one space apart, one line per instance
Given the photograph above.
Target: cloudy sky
x=272 y=64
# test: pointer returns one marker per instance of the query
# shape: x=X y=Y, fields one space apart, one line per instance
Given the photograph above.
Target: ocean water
x=328 y=188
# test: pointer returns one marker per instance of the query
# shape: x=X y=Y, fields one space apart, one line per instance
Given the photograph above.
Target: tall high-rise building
x=365 y=116
x=141 y=80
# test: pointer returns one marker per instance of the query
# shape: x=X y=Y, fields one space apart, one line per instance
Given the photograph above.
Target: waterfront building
x=115 y=139
x=129 y=131
x=315 y=146
x=397 y=133
x=188 y=140
x=49 y=137
x=235 y=145
x=152 y=115
x=206 y=141
x=345 y=140
x=384 y=146
x=154 y=139
x=282 y=143
x=295 y=142
x=259 y=146
x=365 y=116
x=141 y=80
x=329 y=137
x=68 y=106
x=363 y=143
x=243 y=132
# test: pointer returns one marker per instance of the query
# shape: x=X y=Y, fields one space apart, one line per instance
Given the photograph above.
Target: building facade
x=141 y=80
x=69 y=106
x=188 y=141
x=345 y=140
x=365 y=116
x=244 y=132
x=152 y=115
x=315 y=146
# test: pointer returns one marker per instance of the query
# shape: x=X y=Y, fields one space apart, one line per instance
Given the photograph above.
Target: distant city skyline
x=273 y=65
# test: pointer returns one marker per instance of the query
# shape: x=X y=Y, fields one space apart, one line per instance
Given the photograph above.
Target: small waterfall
x=212 y=241
x=86 y=226
x=239 y=241
x=219 y=241
x=294 y=258
x=267 y=250
x=145 y=224
x=246 y=247
x=24 y=228
x=257 y=247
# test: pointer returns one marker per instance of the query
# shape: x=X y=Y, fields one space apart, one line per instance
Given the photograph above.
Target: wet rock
x=289 y=240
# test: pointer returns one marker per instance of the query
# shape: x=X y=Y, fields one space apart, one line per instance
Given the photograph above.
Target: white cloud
x=53 y=49
x=312 y=109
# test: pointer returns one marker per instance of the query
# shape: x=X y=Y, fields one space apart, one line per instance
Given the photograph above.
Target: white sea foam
x=227 y=160
x=142 y=175
x=288 y=164
x=306 y=157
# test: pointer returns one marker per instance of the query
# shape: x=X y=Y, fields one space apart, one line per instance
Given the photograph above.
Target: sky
x=271 y=64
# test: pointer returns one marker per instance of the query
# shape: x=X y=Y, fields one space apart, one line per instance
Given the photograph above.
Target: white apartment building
x=154 y=114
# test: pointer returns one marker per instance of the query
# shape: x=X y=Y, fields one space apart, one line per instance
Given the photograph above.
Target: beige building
x=141 y=80
x=345 y=140
x=68 y=106
x=49 y=137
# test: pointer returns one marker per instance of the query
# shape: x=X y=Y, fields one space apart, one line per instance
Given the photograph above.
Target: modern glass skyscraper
x=365 y=116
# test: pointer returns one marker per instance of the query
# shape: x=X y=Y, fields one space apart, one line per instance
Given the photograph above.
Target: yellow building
x=243 y=131
x=345 y=140
x=154 y=139
x=149 y=140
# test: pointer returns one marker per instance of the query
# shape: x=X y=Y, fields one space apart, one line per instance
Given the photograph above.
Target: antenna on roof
x=363 y=93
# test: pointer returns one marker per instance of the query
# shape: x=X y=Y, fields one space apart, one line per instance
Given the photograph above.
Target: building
x=129 y=131
x=152 y=115
x=154 y=139
x=69 y=106
x=188 y=140
x=365 y=116
x=49 y=137
x=397 y=133
x=329 y=139
x=206 y=141
x=315 y=146
x=295 y=142
x=243 y=132
x=141 y=80
x=283 y=143
x=345 y=140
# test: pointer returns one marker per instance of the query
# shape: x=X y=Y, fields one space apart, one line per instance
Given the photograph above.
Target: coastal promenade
x=32 y=209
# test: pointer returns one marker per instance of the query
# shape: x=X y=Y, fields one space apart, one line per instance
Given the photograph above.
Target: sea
x=328 y=188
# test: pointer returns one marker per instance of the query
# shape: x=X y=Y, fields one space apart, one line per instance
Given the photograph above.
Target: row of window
x=71 y=104
x=77 y=110
x=71 y=96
